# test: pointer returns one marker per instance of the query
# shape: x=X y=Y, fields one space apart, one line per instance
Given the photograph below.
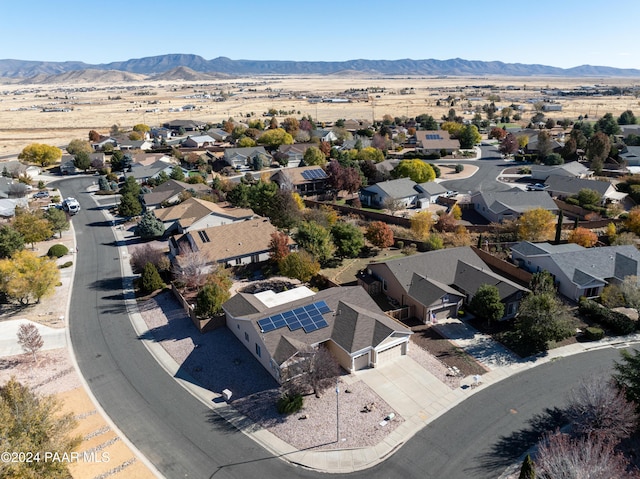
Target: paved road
x=183 y=438
x=490 y=165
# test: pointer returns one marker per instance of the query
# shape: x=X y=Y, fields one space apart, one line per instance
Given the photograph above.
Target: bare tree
x=597 y=408
x=560 y=456
x=392 y=205
x=191 y=267
x=148 y=254
x=313 y=369
x=29 y=339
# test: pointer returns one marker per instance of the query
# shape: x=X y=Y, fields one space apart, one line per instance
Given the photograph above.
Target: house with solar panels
x=304 y=180
x=434 y=141
x=280 y=328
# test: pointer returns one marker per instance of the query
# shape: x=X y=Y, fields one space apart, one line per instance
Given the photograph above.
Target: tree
x=421 y=224
x=560 y=456
x=598 y=149
x=211 y=297
x=587 y=196
x=130 y=185
x=316 y=240
x=627 y=375
x=559 y=227
x=94 y=136
x=129 y=205
x=527 y=471
x=627 y=118
x=509 y=144
x=33 y=227
x=607 y=125
x=486 y=303
x=379 y=234
x=536 y=225
x=553 y=159
x=57 y=220
x=314 y=157
x=177 y=173
x=445 y=223
x=275 y=137
x=82 y=161
x=469 y=136
x=453 y=128
x=291 y=125
x=191 y=267
x=34 y=423
x=141 y=128
x=542 y=318
x=583 y=236
x=544 y=144
x=416 y=170
x=149 y=226
x=299 y=265
x=278 y=246
x=498 y=133
x=43 y=155
x=10 y=241
x=148 y=254
x=316 y=370
x=542 y=282
x=597 y=408
x=103 y=184
x=25 y=277
x=427 y=122
x=348 y=239
x=29 y=339
x=632 y=223
x=117 y=161
x=370 y=154
x=79 y=146
x=456 y=212
x=245 y=142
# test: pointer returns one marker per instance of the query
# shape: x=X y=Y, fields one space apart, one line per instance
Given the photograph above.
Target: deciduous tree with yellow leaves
x=26 y=277
x=536 y=224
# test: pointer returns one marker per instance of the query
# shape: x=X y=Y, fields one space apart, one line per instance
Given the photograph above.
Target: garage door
x=389 y=355
x=361 y=362
x=444 y=313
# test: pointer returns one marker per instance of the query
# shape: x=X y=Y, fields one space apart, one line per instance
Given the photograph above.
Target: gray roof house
x=565 y=186
x=198 y=141
x=142 y=172
x=631 y=155
x=241 y=157
x=402 y=190
x=434 y=285
x=280 y=329
x=430 y=191
x=579 y=271
x=573 y=169
x=497 y=206
x=170 y=191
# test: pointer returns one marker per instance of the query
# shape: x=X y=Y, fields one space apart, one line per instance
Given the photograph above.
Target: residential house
x=185 y=125
x=198 y=214
x=430 y=191
x=434 y=141
x=563 y=187
x=631 y=155
x=532 y=145
x=579 y=271
x=198 y=141
x=104 y=141
x=573 y=169
x=144 y=172
x=294 y=153
x=281 y=329
x=401 y=190
x=233 y=244
x=15 y=168
x=626 y=130
x=355 y=125
x=351 y=144
x=161 y=133
x=304 y=180
x=170 y=192
x=434 y=285
x=497 y=206
x=218 y=134
x=128 y=145
x=327 y=136
x=243 y=157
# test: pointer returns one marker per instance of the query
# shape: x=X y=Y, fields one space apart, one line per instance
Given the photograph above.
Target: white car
x=536 y=187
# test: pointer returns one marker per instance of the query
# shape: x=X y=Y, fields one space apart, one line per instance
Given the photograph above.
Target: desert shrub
x=616 y=322
x=593 y=334
x=459 y=168
x=288 y=404
x=57 y=251
x=68 y=264
x=399 y=244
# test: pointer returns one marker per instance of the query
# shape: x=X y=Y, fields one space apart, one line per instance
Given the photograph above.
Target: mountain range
x=192 y=65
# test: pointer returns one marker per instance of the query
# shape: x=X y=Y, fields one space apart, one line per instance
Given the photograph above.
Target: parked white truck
x=71 y=205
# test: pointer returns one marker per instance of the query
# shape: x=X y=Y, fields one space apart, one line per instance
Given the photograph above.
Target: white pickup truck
x=71 y=205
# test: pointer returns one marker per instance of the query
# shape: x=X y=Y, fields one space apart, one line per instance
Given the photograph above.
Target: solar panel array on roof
x=316 y=174
x=433 y=137
x=307 y=317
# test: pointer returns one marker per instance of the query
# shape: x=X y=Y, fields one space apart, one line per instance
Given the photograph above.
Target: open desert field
x=79 y=108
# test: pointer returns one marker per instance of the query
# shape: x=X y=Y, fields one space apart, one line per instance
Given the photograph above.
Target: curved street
x=183 y=437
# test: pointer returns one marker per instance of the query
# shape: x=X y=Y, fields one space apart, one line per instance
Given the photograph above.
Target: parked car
x=451 y=193
x=41 y=194
x=536 y=187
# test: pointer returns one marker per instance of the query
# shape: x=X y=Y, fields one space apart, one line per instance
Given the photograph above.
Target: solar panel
x=308 y=317
x=433 y=137
x=315 y=174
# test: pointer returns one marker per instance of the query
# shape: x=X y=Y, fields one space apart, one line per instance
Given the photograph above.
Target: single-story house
x=573 y=169
x=294 y=153
x=170 y=191
x=102 y=142
x=241 y=157
x=186 y=125
x=434 y=285
x=497 y=206
x=327 y=136
x=198 y=141
x=354 y=125
x=15 y=168
x=218 y=134
x=631 y=155
x=144 y=172
x=127 y=145
x=430 y=191
x=402 y=190
x=161 y=133
x=304 y=180
x=579 y=271
x=564 y=186
x=197 y=214
x=434 y=141
x=280 y=329
x=532 y=147
x=234 y=244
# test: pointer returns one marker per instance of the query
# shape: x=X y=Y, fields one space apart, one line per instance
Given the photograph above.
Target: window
x=384 y=284
x=258 y=350
x=246 y=336
x=511 y=308
x=238 y=261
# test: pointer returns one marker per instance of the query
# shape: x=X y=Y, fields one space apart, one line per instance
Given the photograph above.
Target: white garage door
x=389 y=355
x=361 y=362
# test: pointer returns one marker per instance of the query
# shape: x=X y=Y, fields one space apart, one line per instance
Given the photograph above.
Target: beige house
x=197 y=214
x=434 y=141
x=279 y=329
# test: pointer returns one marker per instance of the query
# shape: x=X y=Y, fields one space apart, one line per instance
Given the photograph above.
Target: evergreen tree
x=151 y=280
x=527 y=471
x=149 y=226
x=559 y=227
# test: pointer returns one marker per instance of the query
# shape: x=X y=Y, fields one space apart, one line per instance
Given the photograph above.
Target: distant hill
x=186 y=74
x=85 y=76
x=193 y=64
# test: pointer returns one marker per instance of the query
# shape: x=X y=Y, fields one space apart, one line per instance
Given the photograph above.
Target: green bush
x=399 y=244
x=66 y=265
x=151 y=280
x=593 y=334
x=57 y=251
x=616 y=322
x=288 y=404
x=459 y=167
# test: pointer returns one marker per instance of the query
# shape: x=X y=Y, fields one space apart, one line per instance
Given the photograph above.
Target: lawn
x=345 y=271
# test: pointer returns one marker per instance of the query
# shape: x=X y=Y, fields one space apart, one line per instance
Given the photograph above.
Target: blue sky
x=562 y=33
